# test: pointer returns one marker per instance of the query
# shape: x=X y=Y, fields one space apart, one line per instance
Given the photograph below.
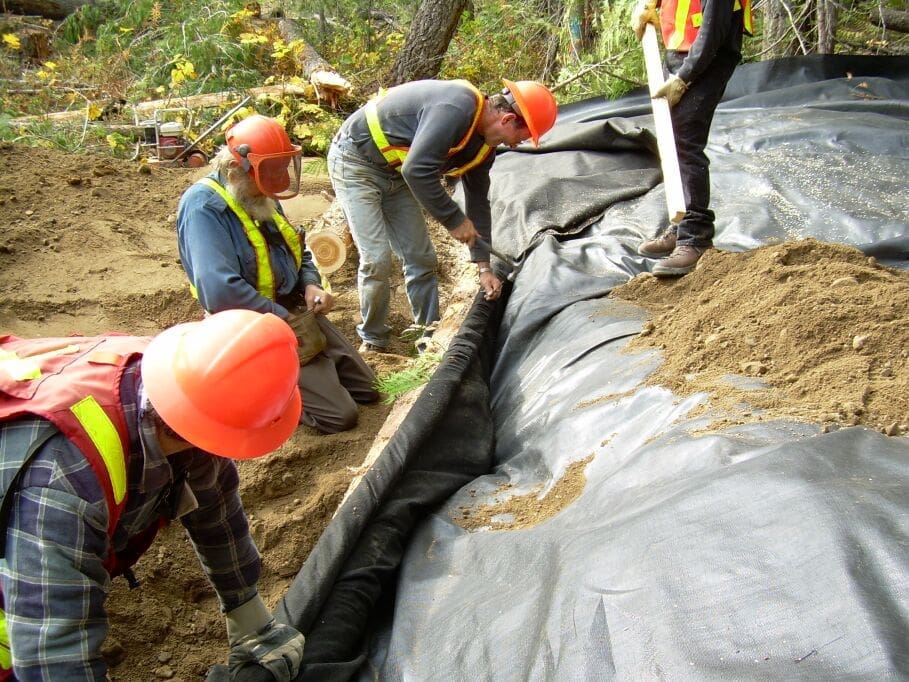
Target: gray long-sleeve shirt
x=430 y=117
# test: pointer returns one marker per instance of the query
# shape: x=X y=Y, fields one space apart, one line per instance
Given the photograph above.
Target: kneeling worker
x=105 y=439
x=239 y=251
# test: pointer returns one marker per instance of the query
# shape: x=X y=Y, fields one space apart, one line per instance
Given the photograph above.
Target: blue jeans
x=384 y=218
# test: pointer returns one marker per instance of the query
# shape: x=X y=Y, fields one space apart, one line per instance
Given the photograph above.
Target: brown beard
x=243 y=188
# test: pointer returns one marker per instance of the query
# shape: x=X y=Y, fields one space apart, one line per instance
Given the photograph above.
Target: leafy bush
x=499 y=40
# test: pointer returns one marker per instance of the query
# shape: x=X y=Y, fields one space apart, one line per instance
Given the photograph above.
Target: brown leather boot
x=680 y=262
x=659 y=246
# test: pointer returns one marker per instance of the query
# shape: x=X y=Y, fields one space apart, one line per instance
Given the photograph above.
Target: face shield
x=276 y=175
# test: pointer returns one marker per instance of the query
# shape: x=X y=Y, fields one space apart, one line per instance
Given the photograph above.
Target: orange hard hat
x=228 y=383
x=262 y=147
x=536 y=105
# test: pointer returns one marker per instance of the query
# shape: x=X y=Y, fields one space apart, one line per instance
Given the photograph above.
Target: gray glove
x=257 y=638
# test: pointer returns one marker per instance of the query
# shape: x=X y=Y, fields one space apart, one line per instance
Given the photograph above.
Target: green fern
x=395 y=384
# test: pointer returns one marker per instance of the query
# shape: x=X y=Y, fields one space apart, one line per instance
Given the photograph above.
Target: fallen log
x=328 y=83
x=51 y=9
x=893 y=19
x=147 y=109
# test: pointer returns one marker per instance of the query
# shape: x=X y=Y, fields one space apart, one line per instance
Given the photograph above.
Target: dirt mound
x=819 y=327
x=89 y=246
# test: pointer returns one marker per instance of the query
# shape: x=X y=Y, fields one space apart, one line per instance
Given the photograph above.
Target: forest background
x=102 y=57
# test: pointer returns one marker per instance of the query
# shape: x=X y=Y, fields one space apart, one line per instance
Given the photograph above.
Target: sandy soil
x=88 y=247
x=817 y=331
x=825 y=342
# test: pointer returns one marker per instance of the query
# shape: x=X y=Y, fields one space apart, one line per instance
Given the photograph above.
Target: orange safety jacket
x=74 y=383
x=396 y=155
x=680 y=21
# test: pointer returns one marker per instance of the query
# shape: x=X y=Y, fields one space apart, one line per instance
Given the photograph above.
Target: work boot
x=417 y=331
x=680 y=262
x=367 y=347
x=659 y=246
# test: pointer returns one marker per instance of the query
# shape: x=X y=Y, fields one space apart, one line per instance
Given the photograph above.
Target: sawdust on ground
x=89 y=246
x=819 y=331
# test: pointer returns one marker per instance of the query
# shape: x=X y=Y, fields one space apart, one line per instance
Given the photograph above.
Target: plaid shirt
x=53 y=580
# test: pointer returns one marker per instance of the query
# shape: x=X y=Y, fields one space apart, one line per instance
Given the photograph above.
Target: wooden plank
x=669 y=160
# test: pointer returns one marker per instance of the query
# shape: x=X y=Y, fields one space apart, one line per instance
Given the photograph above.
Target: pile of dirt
x=89 y=246
x=818 y=329
x=803 y=330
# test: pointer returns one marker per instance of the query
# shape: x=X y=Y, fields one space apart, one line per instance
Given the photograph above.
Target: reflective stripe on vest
x=265 y=278
x=681 y=19
x=28 y=368
x=396 y=156
x=91 y=418
x=102 y=432
x=6 y=658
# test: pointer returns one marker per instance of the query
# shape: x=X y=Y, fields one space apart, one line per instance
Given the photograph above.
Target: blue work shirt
x=220 y=261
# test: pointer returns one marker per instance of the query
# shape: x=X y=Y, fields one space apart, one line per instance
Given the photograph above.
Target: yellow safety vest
x=395 y=156
x=265 y=278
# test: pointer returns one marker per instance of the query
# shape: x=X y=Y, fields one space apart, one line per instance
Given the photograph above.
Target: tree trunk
x=786 y=23
x=774 y=28
x=826 y=26
x=432 y=28
x=51 y=9
x=147 y=109
x=551 y=11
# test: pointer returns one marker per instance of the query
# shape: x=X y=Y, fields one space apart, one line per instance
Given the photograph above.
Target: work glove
x=672 y=89
x=643 y=14
x=256 y=638
x=310 y=339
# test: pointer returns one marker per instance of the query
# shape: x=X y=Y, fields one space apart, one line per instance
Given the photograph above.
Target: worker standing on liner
x=703 y=41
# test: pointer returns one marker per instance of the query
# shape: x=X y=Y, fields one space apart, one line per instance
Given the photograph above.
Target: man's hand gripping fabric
x=257 y=638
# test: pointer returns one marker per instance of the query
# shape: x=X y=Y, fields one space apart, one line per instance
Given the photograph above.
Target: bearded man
x=239 y=251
